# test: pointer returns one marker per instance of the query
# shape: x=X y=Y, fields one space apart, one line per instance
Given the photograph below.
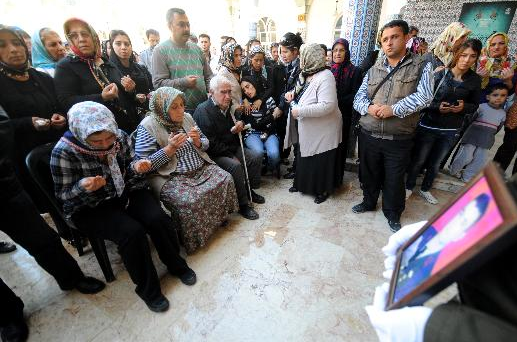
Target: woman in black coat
x=123 y=58
x=87 y=76
x=29 y=98
x=348 y=80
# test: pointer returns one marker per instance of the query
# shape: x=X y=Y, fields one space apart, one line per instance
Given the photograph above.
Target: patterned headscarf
x=161 y=100
x=8 y=70
x=345 y=69
x=312 y=60
x=442 y=46
x=87 y=118
x=95 y=38
x=494 y=65
x=40 y=56
x=228 y=56
x=255 y=50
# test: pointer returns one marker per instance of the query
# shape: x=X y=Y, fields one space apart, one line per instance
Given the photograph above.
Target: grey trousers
x=470 y=157
x=235 y=168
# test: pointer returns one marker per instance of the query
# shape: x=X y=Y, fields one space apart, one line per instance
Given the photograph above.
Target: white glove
x=401 y=325
x=394 y=243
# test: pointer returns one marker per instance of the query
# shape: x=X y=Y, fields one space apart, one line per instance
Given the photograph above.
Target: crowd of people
x=180 y=126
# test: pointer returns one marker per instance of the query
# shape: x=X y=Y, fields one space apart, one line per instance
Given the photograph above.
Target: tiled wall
x=432 y=16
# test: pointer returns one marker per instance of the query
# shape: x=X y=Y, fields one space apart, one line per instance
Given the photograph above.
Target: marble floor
x=302 y=272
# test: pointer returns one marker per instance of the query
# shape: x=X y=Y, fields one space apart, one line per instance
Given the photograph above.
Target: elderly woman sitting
x=182 y=175
x=103 y=191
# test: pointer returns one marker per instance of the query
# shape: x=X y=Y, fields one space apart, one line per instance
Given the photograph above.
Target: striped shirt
x=189 y=160
x=410 y=104
x=171 y=64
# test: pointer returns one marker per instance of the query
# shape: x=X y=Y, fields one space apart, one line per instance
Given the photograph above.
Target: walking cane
x=243 y=155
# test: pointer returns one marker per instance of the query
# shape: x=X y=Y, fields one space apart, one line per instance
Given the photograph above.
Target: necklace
x=17 y=77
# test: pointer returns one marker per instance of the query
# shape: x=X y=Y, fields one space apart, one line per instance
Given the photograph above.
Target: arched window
x=338 y=28
x=266 y=31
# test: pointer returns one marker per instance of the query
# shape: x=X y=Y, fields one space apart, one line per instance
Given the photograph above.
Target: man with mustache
x=179 y=63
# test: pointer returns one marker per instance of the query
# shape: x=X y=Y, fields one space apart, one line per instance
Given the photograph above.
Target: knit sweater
x=173 y=63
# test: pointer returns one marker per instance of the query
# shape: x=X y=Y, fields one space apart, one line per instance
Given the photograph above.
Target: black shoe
x=293 y=189
x=394 y=225
x=321 y=198
x=159 y=304
x=361 y=208
x=188 y=278
x=289 y=175
x=89 y=285
x=256 y=198
x=248 y=213
x=7 y=247
x=15 y=332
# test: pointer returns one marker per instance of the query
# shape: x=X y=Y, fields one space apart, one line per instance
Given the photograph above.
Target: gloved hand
x=394 y=243
x=401 y=325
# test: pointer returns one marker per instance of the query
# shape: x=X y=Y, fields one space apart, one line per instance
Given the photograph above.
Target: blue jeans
x=431 y=147
x=271 y=146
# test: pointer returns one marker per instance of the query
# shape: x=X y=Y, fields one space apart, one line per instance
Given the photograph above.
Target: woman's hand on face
x=57 y=121
x=128 y=84
x=40 y=124
x=110 y=92
x=177 y=140
x=445 y=107
x=195 y=136
x=92 y=184
x=142 y=166
x=289 y=96
x=256 y=105
x=459 y=108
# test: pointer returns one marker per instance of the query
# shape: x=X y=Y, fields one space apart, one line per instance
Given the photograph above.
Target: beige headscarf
x=442 y=46
x=312 y=61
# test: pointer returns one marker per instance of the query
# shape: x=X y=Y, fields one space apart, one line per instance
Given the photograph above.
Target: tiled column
x=361 y=26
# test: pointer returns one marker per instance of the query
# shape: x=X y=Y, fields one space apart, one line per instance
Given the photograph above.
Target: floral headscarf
x=87 y=118
x=494 y=66
x=95 y=38
x=312 y=61
x=40 y=56
x=8 y=70
x=442 y=46
x=257 y=49
x=161 y=100
x=228 y=56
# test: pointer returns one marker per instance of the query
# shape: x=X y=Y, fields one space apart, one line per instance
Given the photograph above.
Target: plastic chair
x=38 y=164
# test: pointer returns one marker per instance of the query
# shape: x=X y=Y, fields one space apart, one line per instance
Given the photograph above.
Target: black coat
x=469 y=91
x=216 y=127
x=346 y=90
x=75 y=83
x=265 y=84
x=24 y=100
x=9 y=184
x=489 y=304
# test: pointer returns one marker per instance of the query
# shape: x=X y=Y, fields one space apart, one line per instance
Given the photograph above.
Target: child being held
x=480 y=136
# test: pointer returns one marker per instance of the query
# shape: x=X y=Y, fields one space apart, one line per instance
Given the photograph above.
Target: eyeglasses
x=75 y=35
